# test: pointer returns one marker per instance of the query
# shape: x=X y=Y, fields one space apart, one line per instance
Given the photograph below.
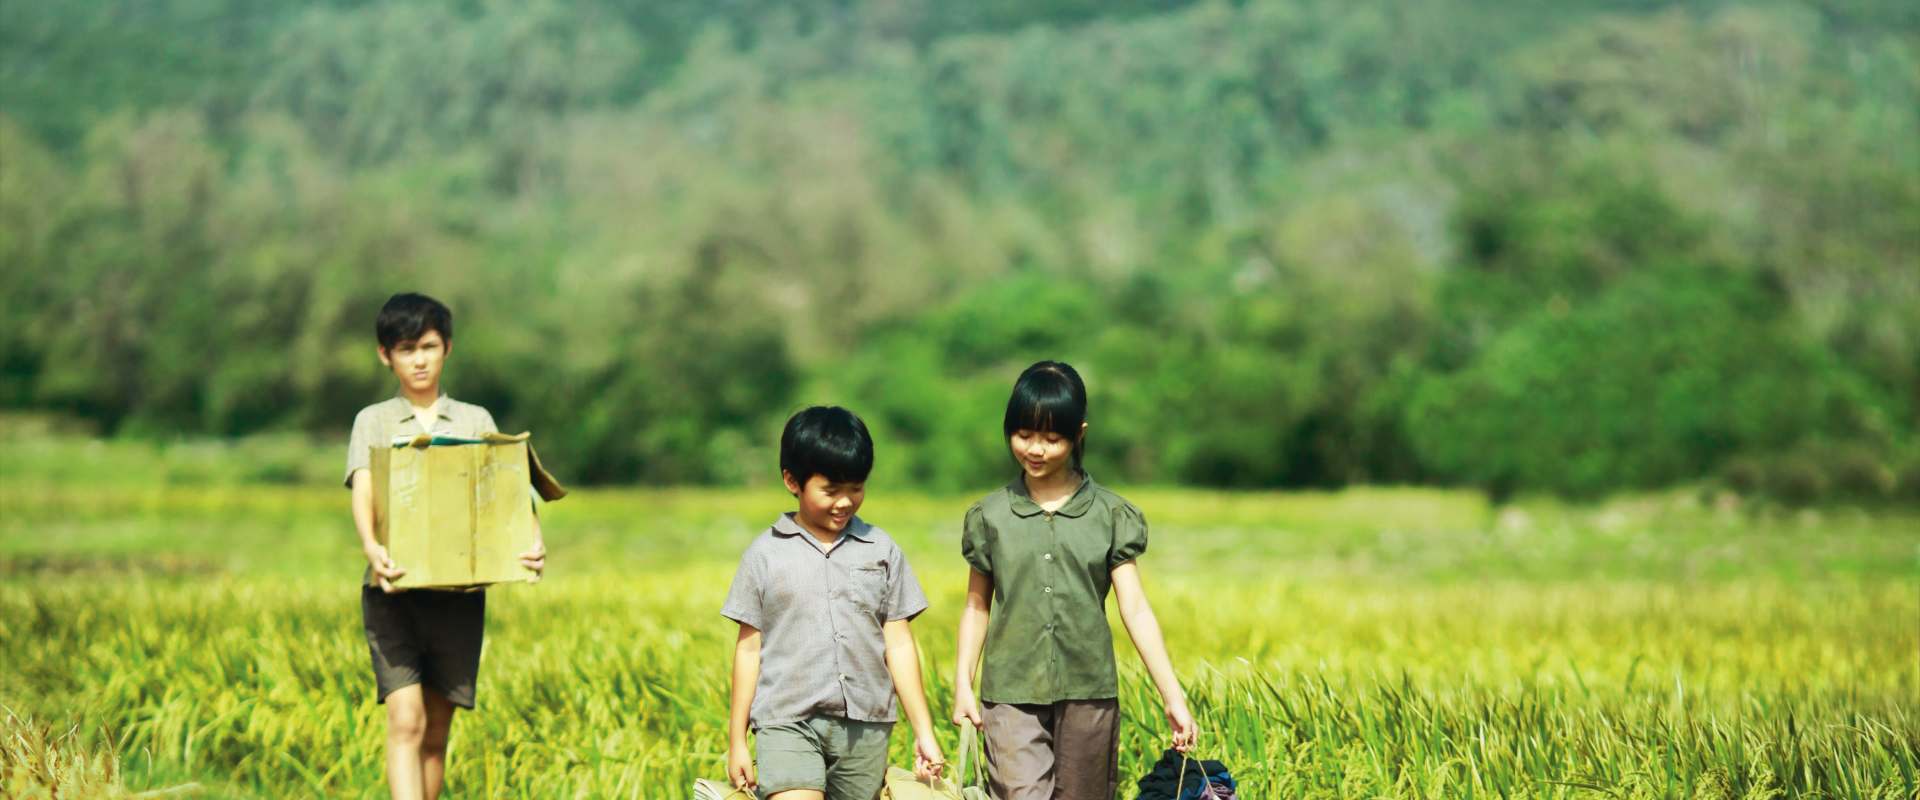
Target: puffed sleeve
x=974 y=541
x=1129 y=535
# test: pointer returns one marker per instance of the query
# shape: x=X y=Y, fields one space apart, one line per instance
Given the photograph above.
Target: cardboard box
x=458 y=515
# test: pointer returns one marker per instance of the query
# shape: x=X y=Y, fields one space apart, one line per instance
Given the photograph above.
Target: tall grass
x=607 y=685
x=204 y=638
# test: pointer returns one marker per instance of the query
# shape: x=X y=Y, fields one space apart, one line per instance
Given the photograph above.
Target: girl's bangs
x=1036 y=406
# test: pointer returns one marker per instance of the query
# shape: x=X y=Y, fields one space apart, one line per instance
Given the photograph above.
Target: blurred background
x=1571 y=247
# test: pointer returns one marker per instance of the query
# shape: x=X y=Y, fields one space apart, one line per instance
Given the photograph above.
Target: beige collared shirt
x=377 y=424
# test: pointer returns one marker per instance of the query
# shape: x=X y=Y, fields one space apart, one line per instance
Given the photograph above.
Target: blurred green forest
x=1573 y=247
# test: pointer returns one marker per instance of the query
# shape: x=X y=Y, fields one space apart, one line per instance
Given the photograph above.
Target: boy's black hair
x=829 y=441
x=410 y=315
x=1049 y=396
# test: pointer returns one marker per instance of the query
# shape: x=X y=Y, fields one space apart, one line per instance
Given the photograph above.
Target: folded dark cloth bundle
x=1204 y=780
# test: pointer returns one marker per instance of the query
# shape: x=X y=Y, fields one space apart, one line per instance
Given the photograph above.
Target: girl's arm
x=746 y=673
x=903 y=663
x=1144 y=629
x=973 y=636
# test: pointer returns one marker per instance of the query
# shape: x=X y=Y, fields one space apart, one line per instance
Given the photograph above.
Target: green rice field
x=182 y=620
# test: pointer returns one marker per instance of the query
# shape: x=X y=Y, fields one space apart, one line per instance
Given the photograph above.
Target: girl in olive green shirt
x=1044 y=551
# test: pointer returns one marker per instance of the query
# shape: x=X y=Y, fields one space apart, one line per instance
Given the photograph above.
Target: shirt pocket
x=867 y=587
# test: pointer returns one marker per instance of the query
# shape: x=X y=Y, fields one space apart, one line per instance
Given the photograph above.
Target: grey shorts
x=841 y=757
x=425 y=637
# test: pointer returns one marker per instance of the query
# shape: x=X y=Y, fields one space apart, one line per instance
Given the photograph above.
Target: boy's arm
x=903 y=663
x=370 y=546
x=746 y=673
x=536 y=558
x=1144 y=628
x=973 y=637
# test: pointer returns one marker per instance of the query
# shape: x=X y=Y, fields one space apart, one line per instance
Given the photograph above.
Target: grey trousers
x=1067 y=750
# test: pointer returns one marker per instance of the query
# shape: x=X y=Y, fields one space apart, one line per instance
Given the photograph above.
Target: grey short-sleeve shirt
x=820 y=615
x=380 y=422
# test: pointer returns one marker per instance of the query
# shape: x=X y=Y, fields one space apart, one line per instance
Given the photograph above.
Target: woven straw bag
x=902 y=785
x=704 y=789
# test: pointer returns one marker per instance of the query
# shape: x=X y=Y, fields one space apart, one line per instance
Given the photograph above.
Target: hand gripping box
x=458 y=512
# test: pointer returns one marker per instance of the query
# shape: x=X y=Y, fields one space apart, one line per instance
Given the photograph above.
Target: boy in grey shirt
x=823 y=601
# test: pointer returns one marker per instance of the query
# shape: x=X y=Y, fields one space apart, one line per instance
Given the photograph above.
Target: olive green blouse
x=1048 y=639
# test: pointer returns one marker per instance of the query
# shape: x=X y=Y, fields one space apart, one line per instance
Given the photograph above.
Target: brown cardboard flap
x=543 y=481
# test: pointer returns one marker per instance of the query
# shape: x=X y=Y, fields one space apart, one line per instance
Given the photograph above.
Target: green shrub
x=1797 y=480
x=1659 y=379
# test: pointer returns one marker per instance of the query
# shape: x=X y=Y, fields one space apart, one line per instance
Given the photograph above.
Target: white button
x=1049 y=590
x=1048 y=556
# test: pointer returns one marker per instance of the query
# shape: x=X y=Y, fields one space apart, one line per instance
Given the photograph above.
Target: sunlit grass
x=1368 y=643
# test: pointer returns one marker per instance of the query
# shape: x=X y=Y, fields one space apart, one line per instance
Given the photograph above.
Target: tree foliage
x=1290 y=243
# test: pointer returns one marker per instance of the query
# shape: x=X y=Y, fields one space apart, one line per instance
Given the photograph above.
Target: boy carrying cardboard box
x=425 y=644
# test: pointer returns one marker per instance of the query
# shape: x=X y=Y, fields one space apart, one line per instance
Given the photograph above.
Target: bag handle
x=953 y=784
x=969 y=735
x=1180 y=783
x=969 y=742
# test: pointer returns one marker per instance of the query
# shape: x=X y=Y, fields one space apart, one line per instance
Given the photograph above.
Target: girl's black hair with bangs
x=1049 y=396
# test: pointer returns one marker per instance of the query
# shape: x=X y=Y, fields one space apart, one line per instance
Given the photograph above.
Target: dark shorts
x=425 y=637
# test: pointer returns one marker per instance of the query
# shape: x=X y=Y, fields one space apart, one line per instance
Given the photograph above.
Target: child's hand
x=927 y=761
x=1184 y=731
x=966 y=709
x=536 y=560
x=740 y=768
x=383 y=568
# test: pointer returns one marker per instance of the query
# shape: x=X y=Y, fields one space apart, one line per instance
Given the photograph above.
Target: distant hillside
x=1572 y=247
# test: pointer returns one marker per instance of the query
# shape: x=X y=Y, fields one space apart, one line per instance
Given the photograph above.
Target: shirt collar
x=857 y=528
x=442 y=406
x=1077 y=505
